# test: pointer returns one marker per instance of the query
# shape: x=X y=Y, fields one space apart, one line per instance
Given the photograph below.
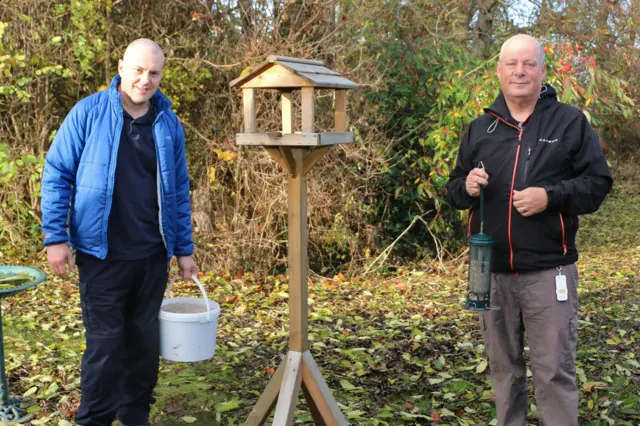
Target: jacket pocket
x=540 y=233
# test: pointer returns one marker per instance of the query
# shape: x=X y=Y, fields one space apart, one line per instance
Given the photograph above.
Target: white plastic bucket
x=188 y=337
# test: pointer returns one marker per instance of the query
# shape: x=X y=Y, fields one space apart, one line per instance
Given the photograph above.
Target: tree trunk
x=483 y=32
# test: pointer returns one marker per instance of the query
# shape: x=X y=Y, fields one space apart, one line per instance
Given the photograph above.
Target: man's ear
x=120 y=66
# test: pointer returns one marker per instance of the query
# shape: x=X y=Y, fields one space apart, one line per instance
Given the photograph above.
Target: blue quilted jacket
x=79 y=175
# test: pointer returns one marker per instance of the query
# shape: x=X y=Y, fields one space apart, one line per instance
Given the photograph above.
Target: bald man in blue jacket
x=115 y=188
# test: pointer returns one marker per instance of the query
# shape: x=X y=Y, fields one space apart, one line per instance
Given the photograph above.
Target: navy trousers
x=120 y=302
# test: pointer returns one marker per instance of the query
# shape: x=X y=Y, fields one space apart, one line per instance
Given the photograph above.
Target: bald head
x=142 y=46
x=522 y=40
x=140 y=71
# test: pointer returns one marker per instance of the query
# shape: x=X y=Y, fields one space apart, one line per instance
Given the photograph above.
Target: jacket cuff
x=184 y=251
x=471 y=201
x=553 y=197
x=182 y=254
x=52 y=241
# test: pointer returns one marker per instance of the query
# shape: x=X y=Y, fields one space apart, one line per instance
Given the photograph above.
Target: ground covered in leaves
x=394 y=348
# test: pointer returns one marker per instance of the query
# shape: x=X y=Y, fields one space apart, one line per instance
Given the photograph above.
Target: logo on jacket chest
x=548 y=140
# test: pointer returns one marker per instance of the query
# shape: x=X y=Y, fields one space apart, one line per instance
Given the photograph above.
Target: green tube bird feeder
x=480 y=247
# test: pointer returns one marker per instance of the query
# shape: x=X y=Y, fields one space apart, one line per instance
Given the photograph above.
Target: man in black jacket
x=542 y=166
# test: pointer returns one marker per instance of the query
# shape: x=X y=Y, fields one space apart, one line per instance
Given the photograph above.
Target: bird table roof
x=279 y=72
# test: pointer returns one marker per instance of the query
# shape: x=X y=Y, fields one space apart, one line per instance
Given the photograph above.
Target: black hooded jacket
x=557 y=150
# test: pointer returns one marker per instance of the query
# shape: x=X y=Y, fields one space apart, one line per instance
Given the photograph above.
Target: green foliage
x=338 y=241
x=606 y=33
x=429 y=97
x=20 y=72
x=582 y=82
x=86 y=33
x=20 y=177
x=185 y=85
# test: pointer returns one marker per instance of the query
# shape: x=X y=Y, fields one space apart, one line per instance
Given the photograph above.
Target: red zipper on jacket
x=513 y=183
x=564 y=238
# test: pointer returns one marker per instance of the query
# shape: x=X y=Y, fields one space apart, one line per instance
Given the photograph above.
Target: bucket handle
x=204 y=292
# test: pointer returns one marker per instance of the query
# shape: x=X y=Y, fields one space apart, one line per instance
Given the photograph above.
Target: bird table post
x=296 y=153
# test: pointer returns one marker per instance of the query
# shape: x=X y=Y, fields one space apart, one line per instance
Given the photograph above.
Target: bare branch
x=385 y=253
x=217 y=66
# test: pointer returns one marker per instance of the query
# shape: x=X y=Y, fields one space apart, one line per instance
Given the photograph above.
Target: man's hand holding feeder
x=476 y=178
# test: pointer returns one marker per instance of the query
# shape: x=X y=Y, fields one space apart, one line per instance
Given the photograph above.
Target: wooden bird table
x=296 y=153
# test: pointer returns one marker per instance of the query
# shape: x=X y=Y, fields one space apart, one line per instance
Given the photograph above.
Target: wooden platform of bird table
x=296 y=153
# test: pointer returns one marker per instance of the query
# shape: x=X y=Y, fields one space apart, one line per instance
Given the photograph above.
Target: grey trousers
x=528 y=303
